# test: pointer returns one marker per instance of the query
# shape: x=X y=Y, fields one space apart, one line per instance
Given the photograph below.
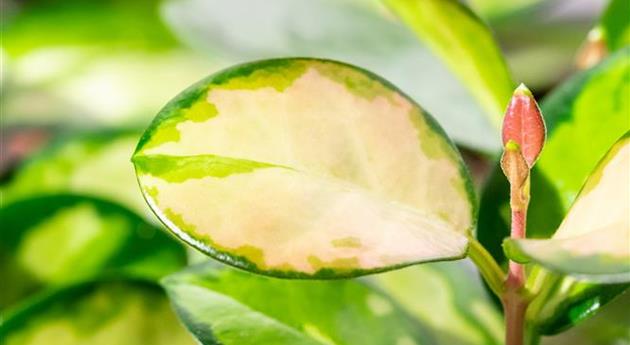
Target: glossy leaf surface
x=309 y=168
x=106 y=312
x=56 y=239
x=467 y=46
x=221 y=305
x=593 y=240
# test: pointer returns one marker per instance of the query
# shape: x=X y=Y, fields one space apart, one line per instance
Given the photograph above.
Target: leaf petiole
x=490 y=270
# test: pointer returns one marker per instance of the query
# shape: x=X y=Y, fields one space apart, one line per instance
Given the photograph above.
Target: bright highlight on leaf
x=524 y=125
x=305 y=168
x=593 y=241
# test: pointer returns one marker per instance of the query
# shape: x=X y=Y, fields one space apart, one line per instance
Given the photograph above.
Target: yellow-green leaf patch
x=305 y=167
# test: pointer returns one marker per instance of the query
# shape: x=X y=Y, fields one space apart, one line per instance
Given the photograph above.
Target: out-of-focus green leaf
x=584 y=117
x=95 y=164
x=92 y=86
x=449 y=298
x=466 y=44
x=102 y=312
x=499 y=9
x=593 y=241
x=221 y=305
x=90 y=62
x=115 y=23
x=359 y=32
x=246 y=167
x=615 y=24
x=56 y=239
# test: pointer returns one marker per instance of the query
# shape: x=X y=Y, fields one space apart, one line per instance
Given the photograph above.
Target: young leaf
x=305 y=168
x=130 y=312
x=93 y=164
x=592 y=242
x=466 y=44
x=56 y=239
x=221 y=305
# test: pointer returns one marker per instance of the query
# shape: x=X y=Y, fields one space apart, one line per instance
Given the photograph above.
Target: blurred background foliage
x=81 y=253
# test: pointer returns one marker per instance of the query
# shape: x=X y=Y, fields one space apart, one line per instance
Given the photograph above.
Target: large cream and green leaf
x=593 y=241
x=302 y=167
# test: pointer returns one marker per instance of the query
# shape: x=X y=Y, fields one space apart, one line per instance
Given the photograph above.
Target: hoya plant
x=366 y=172
x=314 y=169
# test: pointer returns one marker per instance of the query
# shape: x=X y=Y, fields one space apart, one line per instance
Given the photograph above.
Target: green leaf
x=572 y=112
x=90 y=62
x=565 y=302
x=94 y=164
x=467 y=46
x=100 y=312
x=305 y=168
x=221 y=305
x=363 y=33
x=449 y=299
x=615 y=24
x=608 y=327
x=56 y=239
x=41 y=24
x=592 y=241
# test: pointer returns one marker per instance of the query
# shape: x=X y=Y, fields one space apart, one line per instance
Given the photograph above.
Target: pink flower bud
x=524 y=125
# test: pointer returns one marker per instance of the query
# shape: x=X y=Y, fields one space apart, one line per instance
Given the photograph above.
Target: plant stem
x=515 y=299
x=490 y=270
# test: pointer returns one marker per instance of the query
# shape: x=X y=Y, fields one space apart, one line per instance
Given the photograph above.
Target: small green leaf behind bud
x=516 y=169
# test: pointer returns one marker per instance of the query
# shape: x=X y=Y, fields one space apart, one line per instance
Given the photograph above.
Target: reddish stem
x=514 y=301
x=516 y=274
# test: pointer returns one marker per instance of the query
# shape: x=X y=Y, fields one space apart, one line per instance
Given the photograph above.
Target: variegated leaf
x=222 y=305
x=593 y=241
x=305 y=168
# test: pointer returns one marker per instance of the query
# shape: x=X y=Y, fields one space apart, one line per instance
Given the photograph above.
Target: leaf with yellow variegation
x=306 y=168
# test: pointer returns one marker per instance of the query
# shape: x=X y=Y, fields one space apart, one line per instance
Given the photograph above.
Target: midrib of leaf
x=142 y=162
